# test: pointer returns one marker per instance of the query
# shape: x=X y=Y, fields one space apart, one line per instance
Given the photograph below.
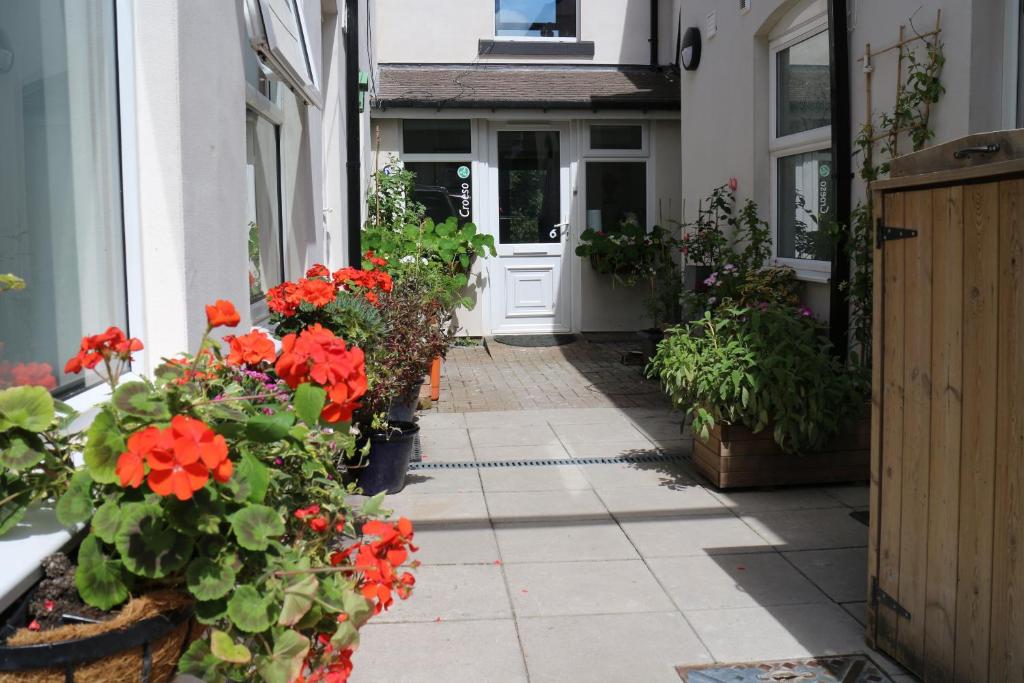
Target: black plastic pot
x=388 y=460
x=403 y=408
x=649 y=339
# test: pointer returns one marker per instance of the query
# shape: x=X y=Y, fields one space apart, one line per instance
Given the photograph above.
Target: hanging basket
x=142 y=643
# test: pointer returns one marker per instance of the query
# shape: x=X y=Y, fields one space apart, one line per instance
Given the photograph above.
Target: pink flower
x=806 y=312
x=733 y=184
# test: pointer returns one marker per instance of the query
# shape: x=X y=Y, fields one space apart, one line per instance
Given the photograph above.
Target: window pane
x=803 y=86
x=616 y=193
x=264 y=213
x=535 y=18
x=60 y=210
x=529 y=187
x=444 y=188
x=806 y=206
x=436 y=136
x=616 y=137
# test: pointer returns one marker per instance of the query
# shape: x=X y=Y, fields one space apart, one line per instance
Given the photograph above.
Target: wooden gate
x=946 y=559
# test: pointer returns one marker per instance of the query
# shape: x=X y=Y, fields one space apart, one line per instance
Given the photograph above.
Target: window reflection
x=529 y=187
x=535 y=18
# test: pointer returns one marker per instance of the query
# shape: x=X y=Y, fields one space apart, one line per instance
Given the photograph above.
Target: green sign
x=463 y=172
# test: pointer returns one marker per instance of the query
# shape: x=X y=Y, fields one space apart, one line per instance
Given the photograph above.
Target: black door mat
x=833 y=669
x=535 y=340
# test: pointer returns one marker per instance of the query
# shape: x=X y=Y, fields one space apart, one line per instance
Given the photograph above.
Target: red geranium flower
x=222 y=314
x=112 y=344
x=251 y=349
x=318 y=270
x=316 y=292
x=302 y=513
x=318 y=356
x=284 y=299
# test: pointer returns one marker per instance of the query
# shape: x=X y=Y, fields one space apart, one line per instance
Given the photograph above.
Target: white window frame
x=266 y=43
x=542 y=39
x=813 y=140
x=264 y=107
x=644 y=150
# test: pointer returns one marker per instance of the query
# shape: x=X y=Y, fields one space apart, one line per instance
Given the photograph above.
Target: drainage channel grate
x=646 y=457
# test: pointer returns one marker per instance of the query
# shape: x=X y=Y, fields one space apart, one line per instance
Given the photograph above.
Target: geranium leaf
x=209 y=580
x=371 y=508
x=226 y=649
x=75 y=506
x=285 y=664
x=14 y=509
x=346 y=636
x=148 y=544
x=135 y=398
x=21 y=451
x=298 y=598
x=255 y=525
x=211 y=611
x=252 y=478
x=99 y=580
x=250 y=611
x=104 y=444
x=358 y=608
x=106 y=520
x=30 y=408
x=269 y=428
x=200 y=662
x=309 y=403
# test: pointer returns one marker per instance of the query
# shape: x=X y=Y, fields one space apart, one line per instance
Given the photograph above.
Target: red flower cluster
x=369 y=282
x=250 y=349
x=287 y=296
x=180 y=458
x=27 y=374
x=222 y=313
x=337 y=671
x=316 y=355
x=317 y=522
x=113 y=343
x=374 y=259
x=207 y=368
x=377 y=561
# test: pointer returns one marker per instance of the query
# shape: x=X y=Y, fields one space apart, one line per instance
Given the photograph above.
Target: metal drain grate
x=646 y=457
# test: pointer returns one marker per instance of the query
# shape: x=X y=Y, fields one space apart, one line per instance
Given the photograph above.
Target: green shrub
x=766 y=366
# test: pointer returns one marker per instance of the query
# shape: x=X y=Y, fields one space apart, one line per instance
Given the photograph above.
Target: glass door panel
x=529 y=187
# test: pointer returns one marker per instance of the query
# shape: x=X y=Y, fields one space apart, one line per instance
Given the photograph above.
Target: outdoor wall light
x=689 y=54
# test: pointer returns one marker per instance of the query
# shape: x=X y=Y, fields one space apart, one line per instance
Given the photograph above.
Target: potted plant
x=763 y=388
x=213 y=495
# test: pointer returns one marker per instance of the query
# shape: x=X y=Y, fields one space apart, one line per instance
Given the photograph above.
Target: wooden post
x=435 y=379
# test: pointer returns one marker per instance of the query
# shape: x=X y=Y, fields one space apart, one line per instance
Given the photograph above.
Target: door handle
x=556 y=229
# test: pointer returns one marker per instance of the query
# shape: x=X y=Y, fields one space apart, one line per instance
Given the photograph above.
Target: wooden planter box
x=735 y=457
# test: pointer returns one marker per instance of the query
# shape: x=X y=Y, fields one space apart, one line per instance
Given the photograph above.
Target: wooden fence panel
x=946 y=407
x=980 y=334
x=1007 y=651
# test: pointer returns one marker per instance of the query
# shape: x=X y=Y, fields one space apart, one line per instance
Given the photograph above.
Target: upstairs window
x=535 y=18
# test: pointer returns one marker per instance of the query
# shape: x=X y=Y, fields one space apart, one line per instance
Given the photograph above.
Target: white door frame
x=568 y=295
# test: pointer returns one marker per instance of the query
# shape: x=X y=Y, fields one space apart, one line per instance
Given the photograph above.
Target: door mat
x=535 y=340
x=837 y=669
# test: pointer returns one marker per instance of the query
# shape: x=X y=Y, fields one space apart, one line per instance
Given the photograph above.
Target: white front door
x=530 y=205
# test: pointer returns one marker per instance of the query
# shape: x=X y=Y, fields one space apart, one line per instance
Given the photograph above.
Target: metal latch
x=886 y=233
x=880 y=597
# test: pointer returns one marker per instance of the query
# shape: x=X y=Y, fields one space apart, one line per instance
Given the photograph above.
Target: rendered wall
x=725 y=101
x=448 y=31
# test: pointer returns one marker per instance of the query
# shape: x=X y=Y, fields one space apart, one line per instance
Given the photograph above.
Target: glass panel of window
x=616 y=137
x=436 y=136
x=805 y=205
x=529 y=187
x=803 y=86
x=535 y=18
x=60 y=207
x=444 y=188
x=616 y=194
x=263 y=226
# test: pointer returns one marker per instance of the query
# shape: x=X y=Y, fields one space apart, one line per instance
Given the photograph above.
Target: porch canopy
x=515 y=86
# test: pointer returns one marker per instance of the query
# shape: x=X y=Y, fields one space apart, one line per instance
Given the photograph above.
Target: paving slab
x=779 y=632
x=857 y=610
x=719 y=532
x=555 y=478
x=621 y=647
x=854 y=495
x=447 y=439
x=730 y=581
x=772 y=500
x=539 y=506
x=449 y=651
x=550 y=451
x=434 y=507
x=536 y=435
x=506 y=418
x=666 y=473
x=442 y=454
x=453 y=592
x=567 y=588
x=442 y=481
x=650 y=501
x=456 y=544
x=563 y=542
x=612 y=430
x=841 y=573
x=430 y=420
x=809 y=529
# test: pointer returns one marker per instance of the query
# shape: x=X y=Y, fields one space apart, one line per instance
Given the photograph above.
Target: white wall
x=448 y=31
x=724 y=124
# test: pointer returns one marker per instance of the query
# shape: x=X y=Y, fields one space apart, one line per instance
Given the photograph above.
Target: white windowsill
x=40 y=534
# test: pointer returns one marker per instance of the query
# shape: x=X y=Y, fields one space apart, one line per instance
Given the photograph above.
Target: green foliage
x=349 y=316
x=390 y=202
x=255 y=525
x=449 y=244
x=139 y=399
x=760 y=367
x=309 y=403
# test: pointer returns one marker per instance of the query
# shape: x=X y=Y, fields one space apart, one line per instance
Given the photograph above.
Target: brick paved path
x=583 y=374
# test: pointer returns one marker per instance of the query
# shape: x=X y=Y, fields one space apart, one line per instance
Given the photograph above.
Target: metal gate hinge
x=880 y=597
x=885 y=233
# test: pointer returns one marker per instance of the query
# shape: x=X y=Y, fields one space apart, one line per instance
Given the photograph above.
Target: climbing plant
x=910 y=118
